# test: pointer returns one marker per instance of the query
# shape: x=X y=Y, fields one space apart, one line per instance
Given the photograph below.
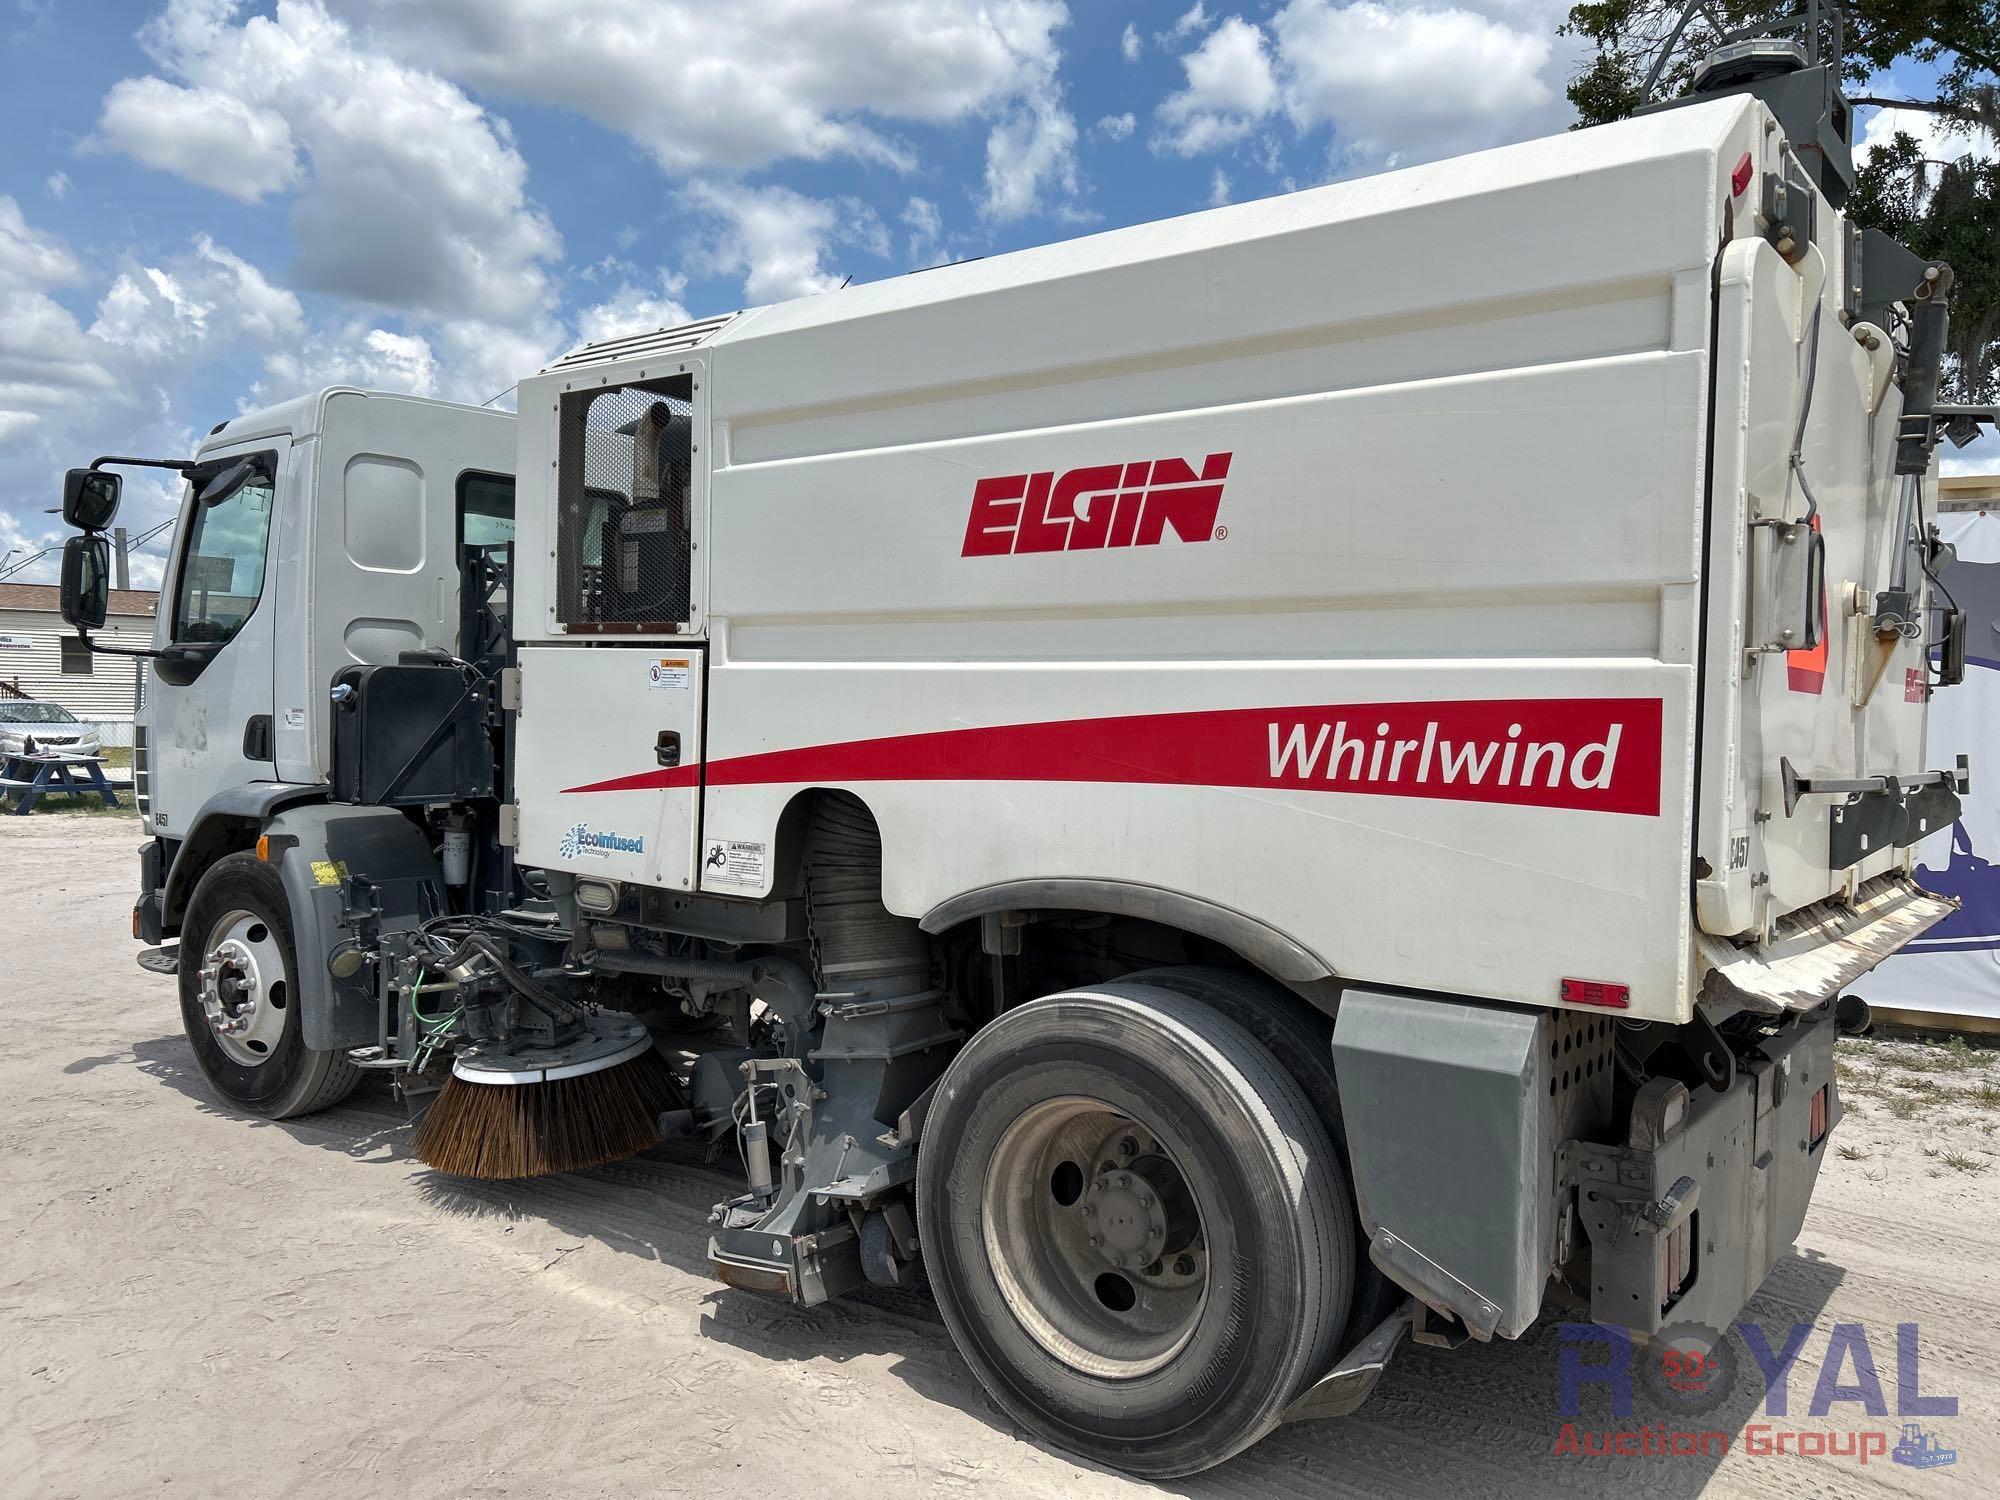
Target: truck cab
x=333 y=536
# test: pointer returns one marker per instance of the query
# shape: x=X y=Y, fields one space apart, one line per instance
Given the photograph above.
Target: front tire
x=239 y=1001
x=1132 y=1126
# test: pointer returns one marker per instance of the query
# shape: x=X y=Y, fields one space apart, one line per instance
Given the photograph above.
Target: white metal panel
x=1280 y=296
x=383 y=562
x=1764 y=708
x=592 y=715
x=1436 y=891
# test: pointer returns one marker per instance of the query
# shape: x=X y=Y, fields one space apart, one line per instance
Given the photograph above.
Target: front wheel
x=239 y=1000
x=1135 y=1225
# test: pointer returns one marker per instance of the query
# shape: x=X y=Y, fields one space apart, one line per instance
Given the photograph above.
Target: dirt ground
x=195 y=1303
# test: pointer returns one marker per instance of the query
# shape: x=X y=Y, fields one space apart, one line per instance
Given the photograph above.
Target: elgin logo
x=1109 y=505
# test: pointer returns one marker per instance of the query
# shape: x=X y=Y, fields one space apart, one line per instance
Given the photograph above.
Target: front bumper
x=1689 y=1216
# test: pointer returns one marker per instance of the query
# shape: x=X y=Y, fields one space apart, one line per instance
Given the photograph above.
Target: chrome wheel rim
x=243 y=990
x=1094 y=1238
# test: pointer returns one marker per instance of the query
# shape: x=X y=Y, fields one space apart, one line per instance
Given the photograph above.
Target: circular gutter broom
x=528 y=1112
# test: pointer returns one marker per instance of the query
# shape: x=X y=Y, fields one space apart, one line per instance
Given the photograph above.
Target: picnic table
x=31 y=777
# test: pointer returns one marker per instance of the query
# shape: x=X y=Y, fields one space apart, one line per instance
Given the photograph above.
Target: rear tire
x=244 y=1022
x=1302 y=1039
x=1211 y=1170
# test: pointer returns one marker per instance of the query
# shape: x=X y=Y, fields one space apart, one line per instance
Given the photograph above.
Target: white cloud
x=205 y=301
x=634 y=310
x=1941 y=138
x=920 y=216
x=1218 y=189
x=1031 y=161
x=1118 y=127
x=1192 y=20
x=354 y=354
x=1129 y=42
x=211 y=138
x=1408 y=84
x=57 y=185
x=416 y=199
x=1394 y=83
x=1230 y=87
x=29 y=259
x=68 y=392
x=775 y=238
x=709 y=88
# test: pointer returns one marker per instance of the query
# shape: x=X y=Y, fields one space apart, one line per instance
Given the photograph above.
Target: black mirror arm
x=92 y=646
x=178 y=465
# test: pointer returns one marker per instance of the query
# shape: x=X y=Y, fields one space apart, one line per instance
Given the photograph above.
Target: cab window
x=485 y=511
x=222 y=566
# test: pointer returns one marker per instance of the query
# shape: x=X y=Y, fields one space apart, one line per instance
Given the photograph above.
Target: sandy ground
x=196 y=1303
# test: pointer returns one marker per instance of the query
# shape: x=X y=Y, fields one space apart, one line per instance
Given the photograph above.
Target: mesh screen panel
x=624 y=465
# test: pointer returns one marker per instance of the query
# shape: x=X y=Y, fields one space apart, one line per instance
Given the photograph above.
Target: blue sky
x=207 y=205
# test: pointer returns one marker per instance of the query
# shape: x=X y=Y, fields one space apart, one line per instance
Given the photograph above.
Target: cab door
x=607 y=760
x=209 y=692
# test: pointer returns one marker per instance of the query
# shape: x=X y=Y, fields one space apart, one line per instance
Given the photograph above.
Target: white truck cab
x=342 y=547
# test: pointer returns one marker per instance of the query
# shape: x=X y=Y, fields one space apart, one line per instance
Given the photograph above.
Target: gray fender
x=1454 y=1109
x=1278 y=955
x=228 y=821
x=316 y=848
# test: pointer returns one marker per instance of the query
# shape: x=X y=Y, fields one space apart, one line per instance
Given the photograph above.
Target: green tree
x=1942 y=200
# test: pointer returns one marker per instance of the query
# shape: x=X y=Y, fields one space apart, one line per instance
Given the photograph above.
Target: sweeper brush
x=531 y=1112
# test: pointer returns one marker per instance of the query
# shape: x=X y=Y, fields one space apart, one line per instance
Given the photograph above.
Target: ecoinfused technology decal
x=581 y=839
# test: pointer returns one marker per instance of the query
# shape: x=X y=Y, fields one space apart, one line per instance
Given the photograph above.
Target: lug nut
x=1184 y=1265
x=1128 y=1147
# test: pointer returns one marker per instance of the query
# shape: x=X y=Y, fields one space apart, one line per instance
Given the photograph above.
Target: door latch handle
x=667 y=748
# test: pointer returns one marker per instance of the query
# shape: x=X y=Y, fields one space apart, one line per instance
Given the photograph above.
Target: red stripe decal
x=1595 y=754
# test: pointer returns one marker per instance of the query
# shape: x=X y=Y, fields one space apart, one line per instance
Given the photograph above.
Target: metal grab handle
x=667 y=747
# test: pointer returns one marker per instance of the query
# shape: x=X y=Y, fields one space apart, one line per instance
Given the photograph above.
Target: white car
x=29 y=726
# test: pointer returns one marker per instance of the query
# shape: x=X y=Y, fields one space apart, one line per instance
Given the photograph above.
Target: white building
x=40 y=658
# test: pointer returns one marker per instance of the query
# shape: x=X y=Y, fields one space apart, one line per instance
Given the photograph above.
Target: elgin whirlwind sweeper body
x=1228 y=792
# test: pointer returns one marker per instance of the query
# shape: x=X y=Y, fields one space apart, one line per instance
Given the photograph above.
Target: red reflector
x=1596 y=992
x=1740 y=178
x=1816 y=1117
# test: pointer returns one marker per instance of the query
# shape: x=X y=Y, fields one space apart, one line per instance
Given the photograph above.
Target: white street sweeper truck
x=1228 y=792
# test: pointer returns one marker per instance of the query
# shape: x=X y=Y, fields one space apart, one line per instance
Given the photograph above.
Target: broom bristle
x=498 y=1131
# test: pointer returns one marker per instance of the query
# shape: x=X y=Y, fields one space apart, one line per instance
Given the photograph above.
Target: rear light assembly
x=1599 y=992
x=1816 y=1114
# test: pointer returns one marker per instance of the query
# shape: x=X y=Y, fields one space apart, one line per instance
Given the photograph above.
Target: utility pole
x=122 y=573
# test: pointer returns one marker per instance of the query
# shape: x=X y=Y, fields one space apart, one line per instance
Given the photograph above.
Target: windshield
x=35 y=713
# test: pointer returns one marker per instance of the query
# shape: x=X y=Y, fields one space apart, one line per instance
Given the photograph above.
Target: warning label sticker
x=733 y=862
x=670 y=674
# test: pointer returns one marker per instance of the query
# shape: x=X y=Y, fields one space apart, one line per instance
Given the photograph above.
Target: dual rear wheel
x=1136 y=1224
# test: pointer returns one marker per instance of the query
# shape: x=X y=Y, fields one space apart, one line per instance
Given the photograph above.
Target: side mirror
x=90 y=498
x=227 y=482
x=86 y=581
